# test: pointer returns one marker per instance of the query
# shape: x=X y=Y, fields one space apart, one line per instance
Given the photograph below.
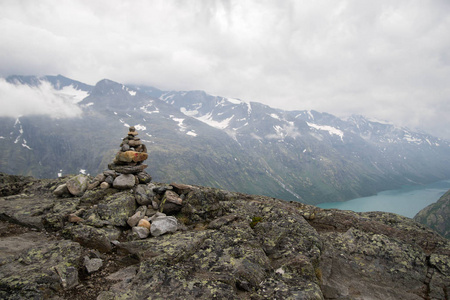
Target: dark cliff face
x=436 y=215
x=227 y=246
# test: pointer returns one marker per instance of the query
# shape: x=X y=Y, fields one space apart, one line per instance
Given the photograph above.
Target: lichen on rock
x=220 y=245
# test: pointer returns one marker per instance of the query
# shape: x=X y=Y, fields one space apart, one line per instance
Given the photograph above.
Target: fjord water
x=406 y=201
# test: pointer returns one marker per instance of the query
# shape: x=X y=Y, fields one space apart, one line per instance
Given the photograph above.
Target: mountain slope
x=436 y=215
x=197 y=138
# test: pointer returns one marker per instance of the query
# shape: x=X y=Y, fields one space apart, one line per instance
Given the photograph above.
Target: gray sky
x=385 y=59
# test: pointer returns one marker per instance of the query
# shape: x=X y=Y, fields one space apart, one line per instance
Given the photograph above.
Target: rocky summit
x=177 y=241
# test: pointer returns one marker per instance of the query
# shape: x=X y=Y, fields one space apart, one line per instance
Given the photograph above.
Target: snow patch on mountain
x=208 y=119
x=140 y=127
x=24 y=144
x=130 y=91
x=72 y=93
x=166 y=96
x=331 y=130
x=147 y=109
x=281 y=132
x=410 y=139
x=189 y=113
x=249 y=109
x=123 y=122
x=182 y=126
x=19 y=137
x=179 y=121
x=234 y=101
x=275 y=116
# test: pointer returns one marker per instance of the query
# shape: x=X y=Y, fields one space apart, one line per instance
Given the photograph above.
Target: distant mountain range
x=196 y=138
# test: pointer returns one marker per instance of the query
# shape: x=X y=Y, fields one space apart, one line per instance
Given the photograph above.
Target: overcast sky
x=388 y=60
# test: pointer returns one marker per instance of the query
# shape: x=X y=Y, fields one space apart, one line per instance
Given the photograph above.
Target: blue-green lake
x=407 y=201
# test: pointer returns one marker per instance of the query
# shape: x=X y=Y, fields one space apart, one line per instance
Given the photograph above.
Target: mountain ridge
x=228 y=143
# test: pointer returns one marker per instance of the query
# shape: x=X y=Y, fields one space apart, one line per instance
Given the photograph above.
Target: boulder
x=144 y=194
x=144 y=177
x=100 y=177
x=124 y=181
x=162 y=225
x=61 y=191
x=172 y=202
x=92 y=264
x=26 y=210
x=157 y=215
x=141 y=232
x=150 y=211
x=104 y=185
x=40 y=270
x=110 y=172
x=93 y=237
x=113 y=210
x=93 y=197
x=110 y=179
x=172 y=197
x=134 y=219
x=93 y=185
x=182 y=188
x=77 y=185
x=56 y=217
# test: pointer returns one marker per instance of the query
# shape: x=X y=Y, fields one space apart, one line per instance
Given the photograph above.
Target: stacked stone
x=155 y=202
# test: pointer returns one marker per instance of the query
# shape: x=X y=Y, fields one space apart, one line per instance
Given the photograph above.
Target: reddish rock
x=131 y=156
x=144 y=223
x=73 y=218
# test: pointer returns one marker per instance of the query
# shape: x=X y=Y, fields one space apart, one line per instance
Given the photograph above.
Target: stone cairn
x=153 y=201
x=128 y=163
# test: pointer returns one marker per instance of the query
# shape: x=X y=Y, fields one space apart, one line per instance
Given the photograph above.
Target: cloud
x=388 y=59
x=20 y=100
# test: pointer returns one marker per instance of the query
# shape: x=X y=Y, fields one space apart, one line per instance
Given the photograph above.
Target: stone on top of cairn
x=132 y=143
x=132 y=131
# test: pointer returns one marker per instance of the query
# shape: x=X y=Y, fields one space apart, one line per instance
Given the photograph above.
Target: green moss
x=255 y=220
x=318 y=273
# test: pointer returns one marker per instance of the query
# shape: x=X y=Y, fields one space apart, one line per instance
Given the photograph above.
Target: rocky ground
x=225 y=246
